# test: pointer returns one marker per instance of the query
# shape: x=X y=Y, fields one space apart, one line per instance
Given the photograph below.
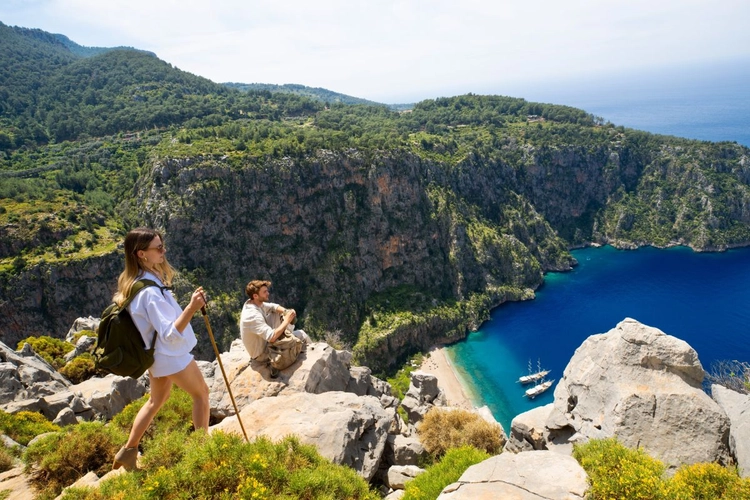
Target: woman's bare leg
x=160 y=389
x=191 y=381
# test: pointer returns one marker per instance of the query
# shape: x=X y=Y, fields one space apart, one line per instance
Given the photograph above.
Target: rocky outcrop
x=644 y=387
x=319 y=369
x=531 y=475
x=24 y=375
x=88 y=323
x=346 y=428
x=404 y=450
x=29 y=383
x=109 y=395
x=528 y=430
x=737 y=408
x=399 y=475
x=423 y=394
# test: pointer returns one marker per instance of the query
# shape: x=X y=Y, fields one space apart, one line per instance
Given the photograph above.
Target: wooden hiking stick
x=223 y=373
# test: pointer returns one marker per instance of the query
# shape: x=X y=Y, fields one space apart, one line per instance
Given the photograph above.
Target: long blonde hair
x=136 y=240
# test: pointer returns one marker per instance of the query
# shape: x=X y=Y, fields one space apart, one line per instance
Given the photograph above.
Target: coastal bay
x=698 y=297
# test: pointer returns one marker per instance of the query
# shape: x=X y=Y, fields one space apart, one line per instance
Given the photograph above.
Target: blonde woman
x=155 y=309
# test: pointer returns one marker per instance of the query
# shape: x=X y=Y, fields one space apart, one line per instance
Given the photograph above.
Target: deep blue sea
x=702 y=298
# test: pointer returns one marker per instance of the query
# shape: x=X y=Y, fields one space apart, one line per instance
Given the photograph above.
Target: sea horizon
x=709 y=101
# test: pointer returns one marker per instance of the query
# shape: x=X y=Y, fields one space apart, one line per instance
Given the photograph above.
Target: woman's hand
x=197 y=300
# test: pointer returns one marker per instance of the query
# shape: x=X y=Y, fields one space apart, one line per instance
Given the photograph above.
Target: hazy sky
x=405 y=50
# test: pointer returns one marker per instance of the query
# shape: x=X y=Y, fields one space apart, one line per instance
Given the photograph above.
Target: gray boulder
x=403 y=450
x=644 y=387
x=531 y=475
x=737 y=408
x=84 y=344
x=527 y=430
x=66 y=417
x=422 y=396
x=27 y=376
x=107 y=396
x=49 y=406
x=346 y=428
x=395 y=495
x=399 y=475
x=90 y=323
x=319 y=368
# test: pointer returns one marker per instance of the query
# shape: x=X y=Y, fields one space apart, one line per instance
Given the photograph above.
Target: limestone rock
x=107 y=396
x=395 y=495
x=66 y=417
x=84 y=344
x=25 y=375
x=403 y=450
x=399 y=475
x=346 y=428
x=527 y=430
x=91 y=480
x=9 y=443
x=423 y=394
x=319 y=368
x=643 y=386
x=16 y=482
x=737 y=408
x=89 y=323
x=531 y=475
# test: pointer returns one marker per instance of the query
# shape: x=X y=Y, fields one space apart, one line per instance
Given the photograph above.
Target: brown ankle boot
x=126 y=457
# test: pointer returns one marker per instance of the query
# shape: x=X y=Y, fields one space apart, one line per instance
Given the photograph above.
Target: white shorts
x=169 y=365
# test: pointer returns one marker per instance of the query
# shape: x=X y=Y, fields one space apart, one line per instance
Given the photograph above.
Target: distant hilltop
x=58 y=39
x=317 y=93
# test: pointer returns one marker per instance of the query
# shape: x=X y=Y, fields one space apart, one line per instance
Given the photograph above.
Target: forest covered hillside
x=386 y=230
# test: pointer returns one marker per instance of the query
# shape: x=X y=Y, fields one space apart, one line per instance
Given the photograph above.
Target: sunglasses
x=160 y=248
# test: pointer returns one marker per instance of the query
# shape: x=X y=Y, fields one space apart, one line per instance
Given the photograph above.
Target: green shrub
x=617 y=472
x=708 y=482
x=441 y=430
x=428 y=485
x=175 y=415
x=224 y=466
x=58 y=460
x=79 y=369
x=52 y=350
x=77 y=336
x=6 y=459
x=400 y=382
x=24 y=426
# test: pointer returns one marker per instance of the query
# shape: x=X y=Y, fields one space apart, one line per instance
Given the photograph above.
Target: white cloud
x=397 y=50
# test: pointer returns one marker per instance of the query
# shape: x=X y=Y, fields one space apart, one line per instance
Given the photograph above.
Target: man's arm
x=282 y=327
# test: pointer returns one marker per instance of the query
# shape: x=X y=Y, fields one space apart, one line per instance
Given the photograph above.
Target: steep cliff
x=335 y=229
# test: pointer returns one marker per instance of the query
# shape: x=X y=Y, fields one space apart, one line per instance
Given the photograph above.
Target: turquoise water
x=701 y=298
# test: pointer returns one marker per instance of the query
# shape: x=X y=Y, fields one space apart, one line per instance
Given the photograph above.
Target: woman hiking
x=155 y=309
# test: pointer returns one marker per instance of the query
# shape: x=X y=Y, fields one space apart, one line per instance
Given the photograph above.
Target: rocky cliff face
x=46 y=299
x=334 y=229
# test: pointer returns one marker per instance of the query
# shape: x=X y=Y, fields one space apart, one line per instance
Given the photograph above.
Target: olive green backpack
x=119 y=347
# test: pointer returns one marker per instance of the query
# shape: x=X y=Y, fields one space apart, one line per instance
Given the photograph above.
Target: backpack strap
x=137 y=287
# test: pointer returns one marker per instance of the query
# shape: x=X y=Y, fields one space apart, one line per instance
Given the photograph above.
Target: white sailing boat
x=533 y=377
x=539 y=388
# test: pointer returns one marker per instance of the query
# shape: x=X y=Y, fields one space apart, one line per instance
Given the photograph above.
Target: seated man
x=262 y=322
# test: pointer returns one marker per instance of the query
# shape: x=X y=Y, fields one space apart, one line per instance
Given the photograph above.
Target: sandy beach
x=437 y=363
